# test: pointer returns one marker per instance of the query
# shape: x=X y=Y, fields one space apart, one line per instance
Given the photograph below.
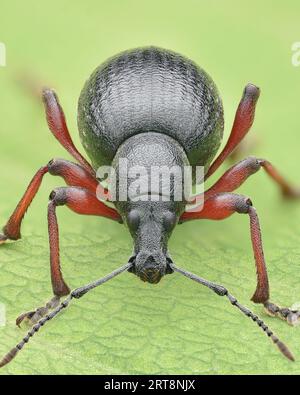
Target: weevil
x=153 y=107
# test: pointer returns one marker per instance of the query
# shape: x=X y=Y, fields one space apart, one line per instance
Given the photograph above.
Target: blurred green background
x=127 y=326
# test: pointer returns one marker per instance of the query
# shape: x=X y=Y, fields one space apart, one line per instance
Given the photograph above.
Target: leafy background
x=127 y=326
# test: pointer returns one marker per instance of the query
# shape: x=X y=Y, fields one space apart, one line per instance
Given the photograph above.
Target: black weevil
x=151 y=106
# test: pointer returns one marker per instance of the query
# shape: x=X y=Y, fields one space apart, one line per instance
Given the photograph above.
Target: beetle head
x=151 y=225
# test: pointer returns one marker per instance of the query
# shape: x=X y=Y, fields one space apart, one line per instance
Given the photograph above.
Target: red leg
x=12 y=228
x=287 y=189
x=81 y=201
x=242 y=123
x=238 y=174
x=57 y=125
x=223 y=205
x=244 y=149
x=72 y=173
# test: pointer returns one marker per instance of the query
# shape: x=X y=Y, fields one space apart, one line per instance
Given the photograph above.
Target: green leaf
x=126 y=326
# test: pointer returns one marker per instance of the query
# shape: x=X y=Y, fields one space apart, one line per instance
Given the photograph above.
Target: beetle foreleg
x=81 y=201
x=291 y=316
x=223 y=205
x=37 y=314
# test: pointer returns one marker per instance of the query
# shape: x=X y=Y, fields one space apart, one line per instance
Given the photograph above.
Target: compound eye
x=169 y=220
x=133 y=220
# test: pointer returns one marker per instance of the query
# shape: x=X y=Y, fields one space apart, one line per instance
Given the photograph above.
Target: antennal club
x=222 y=291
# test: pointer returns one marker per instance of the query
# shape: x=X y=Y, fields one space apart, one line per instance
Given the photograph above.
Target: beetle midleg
x=234 y=177
x=81 y=201
x=73 y=174
x=223 y=205
x=238 y=174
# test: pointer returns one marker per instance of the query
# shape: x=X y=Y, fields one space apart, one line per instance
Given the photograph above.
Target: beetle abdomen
x=150 y=90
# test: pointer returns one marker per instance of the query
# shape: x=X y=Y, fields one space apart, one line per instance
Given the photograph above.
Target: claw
x=24 y=316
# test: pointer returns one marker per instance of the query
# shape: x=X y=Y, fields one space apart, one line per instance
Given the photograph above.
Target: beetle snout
x=150 y=267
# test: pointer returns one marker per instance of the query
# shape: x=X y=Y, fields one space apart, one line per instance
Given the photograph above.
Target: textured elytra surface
x=150 y=90
x=128 y=326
